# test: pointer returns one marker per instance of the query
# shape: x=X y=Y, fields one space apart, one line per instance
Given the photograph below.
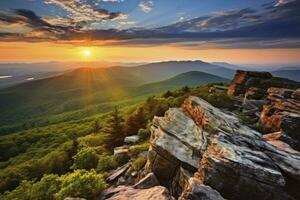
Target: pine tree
x=115 y=129
x=135 y=122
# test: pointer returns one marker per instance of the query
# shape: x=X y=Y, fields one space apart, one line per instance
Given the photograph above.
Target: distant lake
x=4 y=77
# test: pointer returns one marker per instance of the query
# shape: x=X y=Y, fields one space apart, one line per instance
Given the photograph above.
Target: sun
x=86 y=53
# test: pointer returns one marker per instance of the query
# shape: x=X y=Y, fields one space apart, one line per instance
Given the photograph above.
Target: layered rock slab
x=232 y=158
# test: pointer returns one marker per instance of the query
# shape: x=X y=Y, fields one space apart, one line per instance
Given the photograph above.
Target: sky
x=247 y=31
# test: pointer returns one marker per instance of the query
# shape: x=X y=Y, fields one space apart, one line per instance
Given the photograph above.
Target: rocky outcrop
x=282 y=113
x=244 y=80
x=176 y=141
x=214 y=149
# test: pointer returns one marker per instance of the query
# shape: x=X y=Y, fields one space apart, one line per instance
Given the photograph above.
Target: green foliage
x=81 y=183
x=139 y=163
x=96 y=126
x=135 y=150
x=22 y=192
x=53 y=149
x=106 y=163
x=46 y=188
x=144 y=133
x=115 y=129
x=135 y=121
x=86 y=158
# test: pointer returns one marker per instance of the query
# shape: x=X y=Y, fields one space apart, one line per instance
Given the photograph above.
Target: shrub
x=81 y=183
x=86 y=158
x=139 y=163
x=144 y=133
x=23 y=191
x=106 y=163
x=46 y=188
x=135 y=150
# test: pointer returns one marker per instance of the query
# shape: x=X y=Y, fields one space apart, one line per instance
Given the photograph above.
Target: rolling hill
x=293 y=74
x=192 y=78
x=85 y=89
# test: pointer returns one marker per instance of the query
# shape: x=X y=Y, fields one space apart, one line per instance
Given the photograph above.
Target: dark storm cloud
x=275 y=26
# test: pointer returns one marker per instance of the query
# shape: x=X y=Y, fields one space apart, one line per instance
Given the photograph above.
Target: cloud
x=270 y=27
x=146 y=6
x=281 y=2
x=81 y=11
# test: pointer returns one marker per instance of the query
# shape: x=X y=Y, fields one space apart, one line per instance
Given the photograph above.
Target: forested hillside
x=67 y=155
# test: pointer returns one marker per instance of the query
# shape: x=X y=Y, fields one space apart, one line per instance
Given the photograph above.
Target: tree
x=115 y=129
x=87 y=158
x=96 y=126
x=186 y=89
x=106 y=163
x=167 y=94
x=135 y=122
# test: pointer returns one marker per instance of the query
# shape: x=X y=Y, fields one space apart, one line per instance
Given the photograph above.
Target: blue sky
x=163 y=12
x=189 y=23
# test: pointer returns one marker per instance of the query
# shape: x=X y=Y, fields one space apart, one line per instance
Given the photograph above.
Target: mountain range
x=82 y=88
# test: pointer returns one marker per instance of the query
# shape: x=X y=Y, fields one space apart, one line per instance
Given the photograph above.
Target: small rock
x=134 y=174
x=118 y=172
x=154 y=193
x=121 y=154
x=198 y=191
x=148 y=181
x=131 y=139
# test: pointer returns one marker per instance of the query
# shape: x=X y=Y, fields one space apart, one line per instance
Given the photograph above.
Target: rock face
x=282 y=113
x=216 y=151
x=244 y=80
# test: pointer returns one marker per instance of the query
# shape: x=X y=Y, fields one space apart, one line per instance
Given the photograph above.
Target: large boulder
x=214 y=148
x=176 y=141
x=244 y=80
x=129 y=193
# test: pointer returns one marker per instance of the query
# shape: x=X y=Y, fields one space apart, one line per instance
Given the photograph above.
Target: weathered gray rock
x=129 y=193
x=118 y=172
x=176 y=141
x=282 y=113
x=121 y=154
x=148 y=181
x=198 y=191
x=131 y=139
x=229 y=156
x=282 y=141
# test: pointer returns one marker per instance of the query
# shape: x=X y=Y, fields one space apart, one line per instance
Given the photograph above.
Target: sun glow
x=87 y=53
